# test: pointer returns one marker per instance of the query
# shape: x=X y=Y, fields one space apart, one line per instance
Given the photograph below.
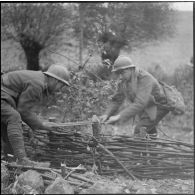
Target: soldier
x=20 y=91
x=144 y=93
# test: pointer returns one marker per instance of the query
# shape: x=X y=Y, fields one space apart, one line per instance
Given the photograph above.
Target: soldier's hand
x=113 y=119
x=49 y=125
x=103 y=118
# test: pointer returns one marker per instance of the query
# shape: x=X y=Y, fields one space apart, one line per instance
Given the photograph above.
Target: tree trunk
x=32 y=57
x=81 y=10
x=32 y=50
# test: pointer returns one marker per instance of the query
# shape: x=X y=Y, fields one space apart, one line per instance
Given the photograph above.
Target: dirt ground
x=149 y=186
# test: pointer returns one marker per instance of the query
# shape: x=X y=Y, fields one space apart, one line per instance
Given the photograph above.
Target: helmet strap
x=134 y=80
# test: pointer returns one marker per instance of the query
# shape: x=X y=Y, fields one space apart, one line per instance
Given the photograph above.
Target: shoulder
x=33 y=77
x=145 y=76
x=26 y=73
x=28 y=78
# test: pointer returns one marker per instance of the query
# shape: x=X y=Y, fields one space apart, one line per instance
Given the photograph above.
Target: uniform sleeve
x=142 y=98
x=26 y=102
x=116 y=101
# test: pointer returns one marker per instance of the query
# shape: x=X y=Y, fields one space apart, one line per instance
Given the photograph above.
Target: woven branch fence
x=144 y=157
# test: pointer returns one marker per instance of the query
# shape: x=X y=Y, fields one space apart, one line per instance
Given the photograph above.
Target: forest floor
x=150 y=186
x=124 y=185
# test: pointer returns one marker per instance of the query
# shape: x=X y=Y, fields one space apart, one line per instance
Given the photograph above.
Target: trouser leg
x=11 y=118
x=149 y=125
x=16 y=139
x=7 y=148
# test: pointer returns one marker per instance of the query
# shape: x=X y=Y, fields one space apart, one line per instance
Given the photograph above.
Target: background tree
x=35 y=26
x=115 y=25
x=81 y=23
x=136 y=22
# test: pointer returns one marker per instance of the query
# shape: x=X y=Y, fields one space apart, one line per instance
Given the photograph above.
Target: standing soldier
x=20 y=91
x=144 y=93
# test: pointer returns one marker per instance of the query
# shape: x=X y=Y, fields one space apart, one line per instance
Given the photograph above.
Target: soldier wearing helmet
x=144 y=94
x=20 y=91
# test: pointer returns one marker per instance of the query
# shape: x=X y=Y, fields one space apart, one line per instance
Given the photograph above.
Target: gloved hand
x=113 y=119
x=103 y=118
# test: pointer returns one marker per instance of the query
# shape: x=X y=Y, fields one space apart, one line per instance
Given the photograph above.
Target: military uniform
x=20 y=91
x=146 y=101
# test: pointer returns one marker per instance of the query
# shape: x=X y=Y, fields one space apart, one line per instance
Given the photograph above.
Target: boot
x=27 y=162
x=8 y=153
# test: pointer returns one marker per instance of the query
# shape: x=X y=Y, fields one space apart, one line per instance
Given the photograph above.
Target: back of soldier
x=19 y=80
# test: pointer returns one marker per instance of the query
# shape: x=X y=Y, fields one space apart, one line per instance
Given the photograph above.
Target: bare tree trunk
x=81 y=10
x=32 y=50
x=32 y=57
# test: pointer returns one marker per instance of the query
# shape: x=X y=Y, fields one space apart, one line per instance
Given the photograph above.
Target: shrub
x=81 y=102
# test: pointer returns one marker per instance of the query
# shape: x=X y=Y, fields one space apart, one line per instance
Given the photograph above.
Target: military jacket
x=23 y=90
x=148 y=94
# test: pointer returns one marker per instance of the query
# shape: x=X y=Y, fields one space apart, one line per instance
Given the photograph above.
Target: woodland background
x=156 y=37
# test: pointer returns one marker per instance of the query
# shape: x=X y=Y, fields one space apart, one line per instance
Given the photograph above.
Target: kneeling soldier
x=144 y=93
x=20 y=91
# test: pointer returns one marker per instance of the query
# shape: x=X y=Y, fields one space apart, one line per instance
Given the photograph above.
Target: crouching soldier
x=20 y=91
x=143 y=91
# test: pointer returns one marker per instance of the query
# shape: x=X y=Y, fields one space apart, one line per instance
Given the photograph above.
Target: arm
x=27 y=99
x=142 y=98
x=116 y=101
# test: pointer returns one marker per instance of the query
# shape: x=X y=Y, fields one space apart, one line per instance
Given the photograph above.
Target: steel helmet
x=122 y=62
x=58 y=72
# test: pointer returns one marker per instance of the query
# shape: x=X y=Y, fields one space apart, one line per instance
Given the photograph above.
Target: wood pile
x=143 y=157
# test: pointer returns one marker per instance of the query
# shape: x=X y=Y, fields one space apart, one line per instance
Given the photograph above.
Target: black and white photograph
x=97 y=97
